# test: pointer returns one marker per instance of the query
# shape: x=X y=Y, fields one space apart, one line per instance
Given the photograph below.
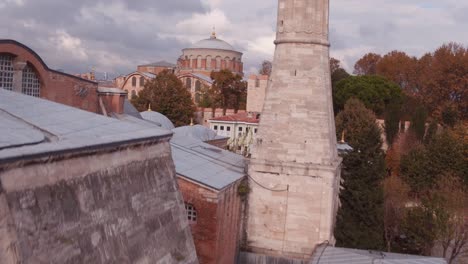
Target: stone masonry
x=295 y=168
x=111 y=206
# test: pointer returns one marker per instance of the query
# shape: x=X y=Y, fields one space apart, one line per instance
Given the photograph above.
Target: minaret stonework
x=295 y=170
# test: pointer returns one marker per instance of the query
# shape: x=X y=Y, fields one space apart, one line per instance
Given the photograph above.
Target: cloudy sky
x=116 y=35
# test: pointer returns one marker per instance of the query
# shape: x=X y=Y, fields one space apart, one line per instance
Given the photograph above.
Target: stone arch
x=188 y=83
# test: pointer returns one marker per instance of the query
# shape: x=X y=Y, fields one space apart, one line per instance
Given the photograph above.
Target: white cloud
x=69 y=45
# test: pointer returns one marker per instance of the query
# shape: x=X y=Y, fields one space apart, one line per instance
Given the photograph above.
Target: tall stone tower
x=295 y=167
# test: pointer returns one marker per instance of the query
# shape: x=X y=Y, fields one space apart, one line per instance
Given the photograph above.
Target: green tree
x=167 y=95
x=374 y=91
x=360 y=217
x=418 y=123
x=228 y=90
x=422 y=167
x=392 y=121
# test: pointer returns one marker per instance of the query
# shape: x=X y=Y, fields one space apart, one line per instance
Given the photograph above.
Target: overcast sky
x=116 y=35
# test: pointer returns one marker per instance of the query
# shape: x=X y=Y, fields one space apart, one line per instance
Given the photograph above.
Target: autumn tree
x=167 y=95
x=398 y=67
x=228 y=90
x=360 y=217
x=374 y=91
x=265 y=68
x=367 y=65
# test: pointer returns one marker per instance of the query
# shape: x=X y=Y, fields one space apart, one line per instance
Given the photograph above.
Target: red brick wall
x=229 y=216
x=56 y=86
x=205 y=229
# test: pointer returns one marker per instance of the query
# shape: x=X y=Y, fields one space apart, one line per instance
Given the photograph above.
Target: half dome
x=212 y=43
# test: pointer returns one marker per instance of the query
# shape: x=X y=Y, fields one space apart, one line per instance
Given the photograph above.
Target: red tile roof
x=239 y=117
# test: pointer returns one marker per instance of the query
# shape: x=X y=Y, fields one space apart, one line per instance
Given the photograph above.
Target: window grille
x=31 y=85
x=6 y=72
x=191 y=212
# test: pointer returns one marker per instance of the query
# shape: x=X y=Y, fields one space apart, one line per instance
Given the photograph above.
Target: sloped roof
x=33 y=127
x=197 y=131
x=159 y=64
x=335 y=255
x=206 y=164
x=239 y=117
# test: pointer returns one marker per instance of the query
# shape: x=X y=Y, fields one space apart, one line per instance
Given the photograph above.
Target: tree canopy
x=228 y=91
x=167 y=95
x=374 y=91
x=360 y=218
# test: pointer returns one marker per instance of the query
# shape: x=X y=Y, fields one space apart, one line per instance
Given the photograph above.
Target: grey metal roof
x=160 y=64
x=25 y=118
x=206 y=164
x=129 y=109
x=203 y=77
x=158 y=119
x=212 y=43
x=148 y=74
x=197 y=131
x=335 y=255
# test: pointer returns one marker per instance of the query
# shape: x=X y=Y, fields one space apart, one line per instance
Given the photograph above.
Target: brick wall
x=56 y=86
x=204 y=231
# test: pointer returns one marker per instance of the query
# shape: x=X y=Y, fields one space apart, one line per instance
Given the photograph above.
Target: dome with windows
x=212 y=43
x=211 y=54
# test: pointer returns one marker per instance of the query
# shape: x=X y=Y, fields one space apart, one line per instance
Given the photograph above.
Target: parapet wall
x=115 y=207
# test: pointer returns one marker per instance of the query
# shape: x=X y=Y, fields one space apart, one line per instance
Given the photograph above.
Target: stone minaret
x=295 y=168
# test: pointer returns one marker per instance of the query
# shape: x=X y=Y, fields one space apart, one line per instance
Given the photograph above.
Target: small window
x=134 y=80
x=191 y=213
x=255 y=131
x=257 y=82
x=240 y=129
x=228 y=128
x=215 y=128
x=142 y=81
x=221 y=128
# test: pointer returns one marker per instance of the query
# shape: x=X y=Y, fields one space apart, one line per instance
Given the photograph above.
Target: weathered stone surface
x=295 y=166
x=122 y=207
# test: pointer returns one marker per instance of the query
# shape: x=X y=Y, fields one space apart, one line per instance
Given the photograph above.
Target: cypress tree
x=360 y=217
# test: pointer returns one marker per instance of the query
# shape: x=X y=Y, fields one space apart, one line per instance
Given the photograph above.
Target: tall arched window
x=218 y=62
x=208 y=62
x=188 y=83
x=197 y=91
x=142 y=81
x=191 y=213
x=31 y=84
x=134 y=81
x=6 y=72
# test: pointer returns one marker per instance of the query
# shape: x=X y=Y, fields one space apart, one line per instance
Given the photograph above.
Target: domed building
x=209 y=55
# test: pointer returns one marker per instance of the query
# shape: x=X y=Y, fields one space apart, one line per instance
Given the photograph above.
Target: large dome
x=212 y=43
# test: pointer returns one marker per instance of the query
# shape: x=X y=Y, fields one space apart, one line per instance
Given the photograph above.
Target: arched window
x=31 y=84
x=191 y=213
x=142 y=81
x=6 y=72
x=134 y=81
x=218 y=62
x=188 y=83
x=199 y=62
x=197 y=91
x=208 y=62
